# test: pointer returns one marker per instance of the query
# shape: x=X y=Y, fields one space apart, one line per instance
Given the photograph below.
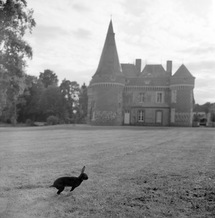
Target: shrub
x=28 y=122
x=52 y=120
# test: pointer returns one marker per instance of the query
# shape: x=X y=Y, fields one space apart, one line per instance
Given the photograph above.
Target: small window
x=142 y=97
x=159 y=97
x=141 y=115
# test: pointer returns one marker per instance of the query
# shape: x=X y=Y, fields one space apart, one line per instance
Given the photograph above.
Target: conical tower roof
x=109 y=68
x=182 y=72
x=183 y=76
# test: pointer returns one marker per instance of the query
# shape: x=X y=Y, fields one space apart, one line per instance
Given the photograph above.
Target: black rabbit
x=73 y=182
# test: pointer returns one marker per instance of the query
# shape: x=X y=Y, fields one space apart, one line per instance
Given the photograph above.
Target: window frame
x=142 y=97
x=159 y=100
x=141 y=116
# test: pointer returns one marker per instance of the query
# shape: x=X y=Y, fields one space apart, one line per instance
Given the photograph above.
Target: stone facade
x=124 y=94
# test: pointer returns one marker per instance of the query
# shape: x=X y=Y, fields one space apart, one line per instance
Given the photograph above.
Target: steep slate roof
x=129 y=70
x=154 y=70
x=147 y=81
x=109 y=66
x=182 y=72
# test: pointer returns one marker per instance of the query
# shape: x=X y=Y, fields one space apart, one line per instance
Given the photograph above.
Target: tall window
x=141 y=116
x=142 y=97
x=174 y=96
x=159 y=97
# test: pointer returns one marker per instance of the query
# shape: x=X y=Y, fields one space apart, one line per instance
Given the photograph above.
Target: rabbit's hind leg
x=60 y=189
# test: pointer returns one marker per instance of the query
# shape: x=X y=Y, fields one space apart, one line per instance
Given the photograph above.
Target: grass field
x=133 y=172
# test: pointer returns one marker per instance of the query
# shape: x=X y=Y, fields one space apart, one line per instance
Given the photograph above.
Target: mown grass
x=133 y=172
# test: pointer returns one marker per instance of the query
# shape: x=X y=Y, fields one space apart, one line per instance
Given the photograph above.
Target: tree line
x=25 y=98
x=44 y=100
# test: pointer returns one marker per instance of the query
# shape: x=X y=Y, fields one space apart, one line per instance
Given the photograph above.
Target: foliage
x=52 y=103
x=48 y=78
x=3 y=88
x=29 y=102
x=67 y=102
x=213 y=116
x=52 y=120
x=29 y=122
x=202 y=108
x=196 y=118
x=83 y=100
x=70 y=92
x=15 y=20
x=25 y=97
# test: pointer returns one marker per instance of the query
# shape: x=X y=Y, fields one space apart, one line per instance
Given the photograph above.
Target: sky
x=70 y=34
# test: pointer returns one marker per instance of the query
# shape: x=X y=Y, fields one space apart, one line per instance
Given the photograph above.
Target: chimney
x=138 y=65
x=169 y=67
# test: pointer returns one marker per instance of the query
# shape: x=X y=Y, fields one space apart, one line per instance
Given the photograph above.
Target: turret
x=105 y=93
x=181 y=86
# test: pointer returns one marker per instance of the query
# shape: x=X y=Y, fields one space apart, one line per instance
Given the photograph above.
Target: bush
x=28 y=122
x=52 y=120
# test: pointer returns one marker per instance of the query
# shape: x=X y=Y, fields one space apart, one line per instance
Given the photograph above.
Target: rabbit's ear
x=82 y=171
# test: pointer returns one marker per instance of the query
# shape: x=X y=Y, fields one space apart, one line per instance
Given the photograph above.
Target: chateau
x=123 y=94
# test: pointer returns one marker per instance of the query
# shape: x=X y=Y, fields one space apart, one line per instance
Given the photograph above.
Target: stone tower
x=105 y=92
x=181 y=86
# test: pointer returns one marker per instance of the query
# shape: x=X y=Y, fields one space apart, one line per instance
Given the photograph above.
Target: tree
x=15 y=20
x=203 y=108
x=3 y=88
x=70 y=92
x=52 y=103
x=28 y=106
x=48 y=78
x=83 y=104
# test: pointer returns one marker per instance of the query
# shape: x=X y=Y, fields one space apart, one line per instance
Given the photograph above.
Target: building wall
x=108 y=104
x=149 y=116
x=182 y=103
x=105 y=104
x=113 y=103
x=134 y=97
x=133 y=103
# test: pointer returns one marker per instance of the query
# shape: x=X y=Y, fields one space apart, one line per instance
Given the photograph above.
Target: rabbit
x=73 y=181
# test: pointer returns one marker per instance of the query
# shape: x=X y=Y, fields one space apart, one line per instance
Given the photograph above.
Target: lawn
x=133 y=172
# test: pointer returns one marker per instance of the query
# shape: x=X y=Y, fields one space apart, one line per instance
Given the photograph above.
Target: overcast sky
x=70 y=34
